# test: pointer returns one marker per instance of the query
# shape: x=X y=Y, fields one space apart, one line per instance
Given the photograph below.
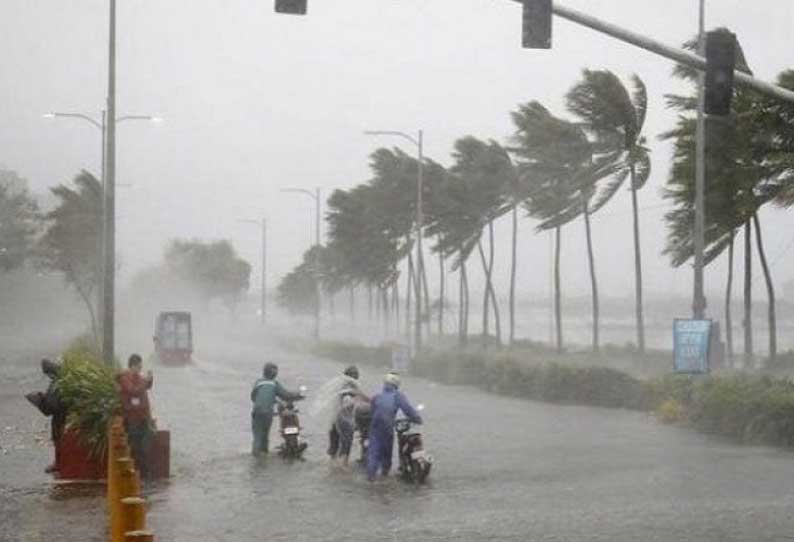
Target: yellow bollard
x=139 y=536
x=134 y=513
x=129 y=482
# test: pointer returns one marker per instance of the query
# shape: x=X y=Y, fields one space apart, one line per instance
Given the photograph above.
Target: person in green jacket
x=264 y=394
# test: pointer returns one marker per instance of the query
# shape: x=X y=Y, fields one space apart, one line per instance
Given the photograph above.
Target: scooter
x=415 y=462
x=290 y=430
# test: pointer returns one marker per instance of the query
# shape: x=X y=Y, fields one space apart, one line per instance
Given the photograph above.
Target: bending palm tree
x=615 y=118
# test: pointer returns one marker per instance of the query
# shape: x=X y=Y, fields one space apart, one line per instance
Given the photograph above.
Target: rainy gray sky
x=255 y=101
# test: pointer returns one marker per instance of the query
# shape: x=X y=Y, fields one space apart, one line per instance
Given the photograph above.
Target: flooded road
x=505 y=470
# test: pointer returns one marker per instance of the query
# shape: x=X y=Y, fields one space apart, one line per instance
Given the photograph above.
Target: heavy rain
x=448 y=270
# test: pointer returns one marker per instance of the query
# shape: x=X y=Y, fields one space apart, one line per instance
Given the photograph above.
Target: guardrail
x=126 y=507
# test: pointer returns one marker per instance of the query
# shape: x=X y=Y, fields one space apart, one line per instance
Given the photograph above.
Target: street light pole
x=699 y=298
x=109 y=218
x=264 y=272
x=317 y=202
x=419 y=143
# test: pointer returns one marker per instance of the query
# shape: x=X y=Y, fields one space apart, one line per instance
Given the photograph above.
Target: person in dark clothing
x=133 y=388
x=51 y=405
x=263 y=396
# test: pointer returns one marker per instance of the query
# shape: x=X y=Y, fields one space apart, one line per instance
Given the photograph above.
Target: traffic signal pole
x=672 y=53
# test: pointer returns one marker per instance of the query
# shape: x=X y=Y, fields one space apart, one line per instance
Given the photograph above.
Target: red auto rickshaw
x=173 y=337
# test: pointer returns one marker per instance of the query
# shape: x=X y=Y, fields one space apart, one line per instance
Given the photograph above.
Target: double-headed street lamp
x=317 y=202
x=418 y=142
x=263 y=302
x=107 y=249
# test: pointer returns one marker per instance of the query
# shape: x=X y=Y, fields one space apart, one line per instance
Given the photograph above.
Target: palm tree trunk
x=386 y=310
x=593 y=281
x=770 y=290
x=496 y=318
x=728 y=295
x=464 y=305
x=513 y=277
x=748 y=295
x=640 y=313
x=486 y=301
x=396 y=306
x=352 y=303
x=426 y=299
x=369 y=296
x=441 y=295
x=557 y=292
x=86 y=297
x=460 y=305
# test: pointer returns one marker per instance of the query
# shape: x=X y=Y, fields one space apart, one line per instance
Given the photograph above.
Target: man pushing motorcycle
x=263 y=396
x=381 y=431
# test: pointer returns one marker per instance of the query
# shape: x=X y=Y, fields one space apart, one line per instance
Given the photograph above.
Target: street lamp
x=418 y=142
x=263 y=301
x=106 y=266
x=317 y=202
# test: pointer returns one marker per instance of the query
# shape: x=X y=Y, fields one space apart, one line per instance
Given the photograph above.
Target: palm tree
x=561 y=169
x=488 y=171
x=747 y=179
x=615 y=118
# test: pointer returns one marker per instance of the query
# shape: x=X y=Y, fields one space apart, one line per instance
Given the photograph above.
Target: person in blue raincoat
x=263 y=396
x=381 y=430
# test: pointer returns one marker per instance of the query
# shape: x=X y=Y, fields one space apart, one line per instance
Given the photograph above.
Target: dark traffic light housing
x=292 y=7
x=536 y=24
x=720 y=63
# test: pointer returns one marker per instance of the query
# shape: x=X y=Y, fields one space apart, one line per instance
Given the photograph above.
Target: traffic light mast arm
x=677 y=55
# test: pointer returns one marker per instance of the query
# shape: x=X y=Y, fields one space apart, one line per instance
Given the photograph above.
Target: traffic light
x=720 y=62
x=536 y=24
x=292 y=7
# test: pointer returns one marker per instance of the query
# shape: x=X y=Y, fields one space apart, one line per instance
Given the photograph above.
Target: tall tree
x=71 y=239
x=18 y=221
x=213 y=268
x=741 y=179
x=615 y=117
x=563 y=171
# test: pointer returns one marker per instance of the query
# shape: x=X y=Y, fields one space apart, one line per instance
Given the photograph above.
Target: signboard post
x=400 y=358
x=691 y=345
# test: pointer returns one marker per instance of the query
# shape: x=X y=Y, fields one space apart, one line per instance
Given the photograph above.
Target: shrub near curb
x=746 y=408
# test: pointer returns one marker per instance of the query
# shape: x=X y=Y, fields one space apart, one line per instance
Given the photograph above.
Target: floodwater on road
x=506 y=469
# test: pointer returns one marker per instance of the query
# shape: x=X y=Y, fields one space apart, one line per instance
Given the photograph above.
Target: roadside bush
x=743 y=407
x=88 y=390
x=353 y=353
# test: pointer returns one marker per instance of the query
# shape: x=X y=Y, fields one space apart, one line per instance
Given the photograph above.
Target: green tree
x=615 y=118
x=741 y=178
x=297 y=291
x=71 y=240
x=213 y=268
x=18 y=221
x=562 y=171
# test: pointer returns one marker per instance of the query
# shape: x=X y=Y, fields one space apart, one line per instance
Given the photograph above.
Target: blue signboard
x=691 y=341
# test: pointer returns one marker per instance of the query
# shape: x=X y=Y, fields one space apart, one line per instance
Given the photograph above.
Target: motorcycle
x=415 y=462
x=290 y=430
x=363 y=417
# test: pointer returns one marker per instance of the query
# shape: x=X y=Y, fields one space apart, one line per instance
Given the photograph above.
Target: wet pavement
x=505 y=470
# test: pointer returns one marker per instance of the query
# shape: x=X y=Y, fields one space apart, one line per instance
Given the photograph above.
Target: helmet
x=352 y=372
x=270 y=370
x=392 y=378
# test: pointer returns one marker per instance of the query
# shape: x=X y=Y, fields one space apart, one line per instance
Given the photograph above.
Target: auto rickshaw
x=173 y=337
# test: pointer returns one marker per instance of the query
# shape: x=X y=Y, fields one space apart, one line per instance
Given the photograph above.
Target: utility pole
x=109 y=215
x=264 y=271
x=420 y=261
x=317 y=315
x=698 y=296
